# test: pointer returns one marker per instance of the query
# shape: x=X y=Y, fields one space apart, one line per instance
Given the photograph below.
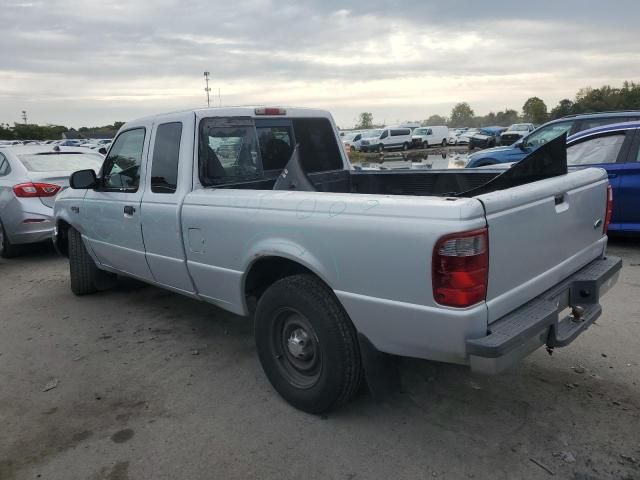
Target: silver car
x=30 y=179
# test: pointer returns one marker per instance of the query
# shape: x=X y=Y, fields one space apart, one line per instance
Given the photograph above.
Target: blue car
x=571 y=125
x=615 y=148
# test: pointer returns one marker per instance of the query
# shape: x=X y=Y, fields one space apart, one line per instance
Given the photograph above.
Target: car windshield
x=372 y=134
x=519 y=128
x=349 y=136
x=420 y=131
x=61 y=162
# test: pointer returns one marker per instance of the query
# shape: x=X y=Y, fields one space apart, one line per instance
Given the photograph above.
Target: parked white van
x=390 y=138
x=426 y=137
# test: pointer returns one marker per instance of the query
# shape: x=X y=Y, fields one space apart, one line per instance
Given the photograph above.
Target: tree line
x=28 y=131
x=535 y=110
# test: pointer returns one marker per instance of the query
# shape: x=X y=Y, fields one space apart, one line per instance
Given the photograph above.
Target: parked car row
x=31 y=176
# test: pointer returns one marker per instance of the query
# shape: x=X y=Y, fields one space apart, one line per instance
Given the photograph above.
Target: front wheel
x=425 y=145
x=307 y=345
x=85 y=276
x=380 y=148
x=405 y=146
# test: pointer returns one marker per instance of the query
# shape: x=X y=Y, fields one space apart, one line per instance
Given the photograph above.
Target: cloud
x=406 y=59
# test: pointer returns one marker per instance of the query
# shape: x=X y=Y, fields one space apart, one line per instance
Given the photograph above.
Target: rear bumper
x=554 y=318
x=28 y=220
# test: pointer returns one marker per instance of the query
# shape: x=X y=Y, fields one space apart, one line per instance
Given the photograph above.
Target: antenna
x=207 y=89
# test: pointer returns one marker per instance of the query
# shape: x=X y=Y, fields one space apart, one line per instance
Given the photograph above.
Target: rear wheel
x=444 y=142
x=7 y=249
x=85 y=276
x=307 y=345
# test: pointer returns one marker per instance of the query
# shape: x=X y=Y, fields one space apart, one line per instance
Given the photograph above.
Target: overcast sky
x=83 y=62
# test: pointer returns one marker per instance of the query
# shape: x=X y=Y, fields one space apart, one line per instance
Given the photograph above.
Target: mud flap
x=380 y=370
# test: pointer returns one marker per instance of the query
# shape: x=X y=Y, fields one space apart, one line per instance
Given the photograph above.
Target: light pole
x=207 y=89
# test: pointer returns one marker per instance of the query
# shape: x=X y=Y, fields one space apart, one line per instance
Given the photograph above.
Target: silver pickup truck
x=258 y=211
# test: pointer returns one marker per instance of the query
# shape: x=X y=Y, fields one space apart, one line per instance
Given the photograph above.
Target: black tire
x=7 y=249
x=307 y=345
x=352 y=149
x=380 y=148
x=85 y=276
x=425 y=145
x=405 y=146
x=444 y=142
x=471 y=147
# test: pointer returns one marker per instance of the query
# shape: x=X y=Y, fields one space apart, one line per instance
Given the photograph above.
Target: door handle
x=129 y=210
x=613 y=175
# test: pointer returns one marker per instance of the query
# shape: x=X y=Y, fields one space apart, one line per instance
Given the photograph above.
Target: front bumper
x=554 y=318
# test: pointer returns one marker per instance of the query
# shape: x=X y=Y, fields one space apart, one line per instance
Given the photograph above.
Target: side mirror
x=522 y=145
x=83 y=180
x=102 y=150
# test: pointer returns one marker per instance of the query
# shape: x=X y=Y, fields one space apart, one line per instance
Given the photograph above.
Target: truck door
x=169 y=179
x=111 y=212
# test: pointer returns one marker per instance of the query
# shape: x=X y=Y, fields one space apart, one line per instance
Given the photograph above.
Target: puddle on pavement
x=432 y=161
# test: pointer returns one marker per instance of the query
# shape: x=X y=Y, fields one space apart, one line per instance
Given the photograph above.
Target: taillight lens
x=460 y=268
x=609 y=210
x=27 y=190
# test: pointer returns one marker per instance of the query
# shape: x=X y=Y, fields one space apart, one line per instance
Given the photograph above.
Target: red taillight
x=609 y=210
x=270 y=111
x=27 y=190
x=460 y=267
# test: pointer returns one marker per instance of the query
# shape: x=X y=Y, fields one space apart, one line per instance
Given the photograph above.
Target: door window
x=385 y=134
x=545 y=134
x=122 y=167
x=603 y=149
x=4 y=166
x=166 y=150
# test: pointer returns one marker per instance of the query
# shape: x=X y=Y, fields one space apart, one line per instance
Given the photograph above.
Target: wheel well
x=61 y=240
x=264 y=273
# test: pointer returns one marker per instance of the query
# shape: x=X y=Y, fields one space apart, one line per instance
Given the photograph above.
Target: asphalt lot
x=145 y=384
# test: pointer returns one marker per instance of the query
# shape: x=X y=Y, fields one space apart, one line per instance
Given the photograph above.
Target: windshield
x=348 y=137
x=372 y=134
x=545 y=134
x=519 y=128
x=420 y=131
x=61 y=162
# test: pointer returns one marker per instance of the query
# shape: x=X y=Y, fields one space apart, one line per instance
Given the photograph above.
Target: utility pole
x=207 y=89
x=24 y=117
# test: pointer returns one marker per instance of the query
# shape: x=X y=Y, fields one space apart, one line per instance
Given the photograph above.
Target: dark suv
x=570 y=124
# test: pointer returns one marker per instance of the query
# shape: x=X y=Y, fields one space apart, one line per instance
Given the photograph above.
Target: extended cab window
x=166 y=150
x=603 y=149
x=228 y=151
x=121 y=169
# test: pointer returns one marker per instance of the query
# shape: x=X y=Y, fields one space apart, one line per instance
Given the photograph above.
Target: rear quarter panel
x=373 y=251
